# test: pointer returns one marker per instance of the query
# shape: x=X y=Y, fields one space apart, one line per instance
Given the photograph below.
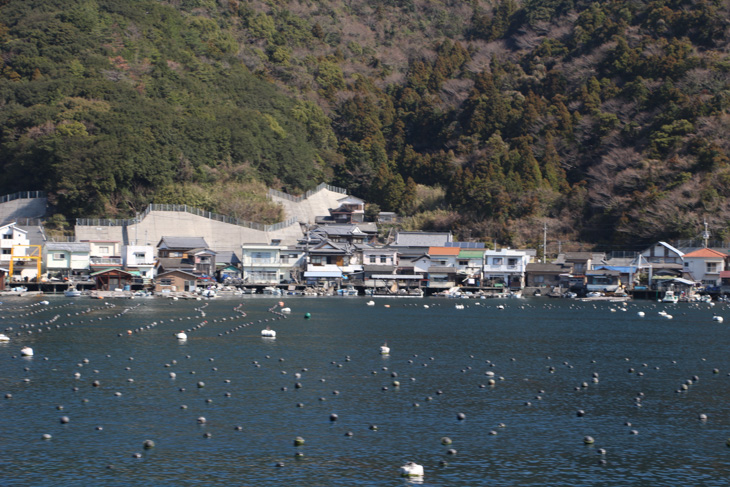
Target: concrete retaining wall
x=22 y=208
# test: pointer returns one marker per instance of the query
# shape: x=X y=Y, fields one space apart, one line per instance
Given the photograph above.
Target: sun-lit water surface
x=524 y=430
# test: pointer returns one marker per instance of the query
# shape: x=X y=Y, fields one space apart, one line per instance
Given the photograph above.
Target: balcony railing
x=105 y=261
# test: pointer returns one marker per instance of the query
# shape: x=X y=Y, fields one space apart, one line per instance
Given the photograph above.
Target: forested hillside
x=607 y=121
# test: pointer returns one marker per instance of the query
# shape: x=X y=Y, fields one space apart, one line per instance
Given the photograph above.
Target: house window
x=59 y=256
x=104 y=250
x=165 y=282
x=372 y=259
x=317 y=260
x=139 y=256
x=512 y=261
x=497 y=261
x=7 y=236
x=464 y=262
x=383 y=259
x=7 y=251
x=711 y=267
x=578 y=268
x=538 y=279
x=284 y=258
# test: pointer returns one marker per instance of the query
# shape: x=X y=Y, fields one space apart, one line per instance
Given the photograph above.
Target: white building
x=140 y=259
x=12 y=236
x=705 y=265
x=270 y=264
x=505 y=267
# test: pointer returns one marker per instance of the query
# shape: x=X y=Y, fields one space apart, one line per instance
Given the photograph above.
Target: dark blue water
x=522 y=431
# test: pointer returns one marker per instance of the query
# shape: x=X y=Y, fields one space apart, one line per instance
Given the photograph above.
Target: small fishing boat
x=385 y=349
x=268 y=333
x=4 y=337
x=72 y=292
x=670 y=297
x=26 y=352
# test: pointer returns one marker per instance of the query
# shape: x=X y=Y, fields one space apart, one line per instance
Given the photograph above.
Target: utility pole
x=706 y=234
x=544 y=242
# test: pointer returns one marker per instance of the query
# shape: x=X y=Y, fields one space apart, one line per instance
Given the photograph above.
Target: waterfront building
x=67 y=260
x=505 y=268
x=705 y=265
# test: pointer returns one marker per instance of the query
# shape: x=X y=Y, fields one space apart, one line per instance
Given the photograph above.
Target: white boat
x=268 y=333
x=208 y=293
x=670 y=297
x=274 y=291
x=4 y=337
x=72 y=292
x=349 y=291
x=26 y=352
x=385 y=349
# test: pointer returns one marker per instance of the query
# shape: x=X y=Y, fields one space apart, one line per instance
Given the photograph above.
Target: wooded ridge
x=607 y=121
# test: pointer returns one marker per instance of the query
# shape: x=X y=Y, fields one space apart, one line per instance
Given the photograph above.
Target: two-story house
x=67 y=260
x=270 y=264
x=505 y=268
x=104 y=254
x=705 y=265
x=139 y=260
x=12 y=236
x=187 y=254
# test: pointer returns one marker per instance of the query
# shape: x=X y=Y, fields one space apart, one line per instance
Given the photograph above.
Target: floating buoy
x=307 y=315
x=268 y=333
x=719 y=319
x=181 y=336
x=370 y=303
x=641 y=314
x=26 y=352
x=281 y=304
x=286 y=310
x=411 y=469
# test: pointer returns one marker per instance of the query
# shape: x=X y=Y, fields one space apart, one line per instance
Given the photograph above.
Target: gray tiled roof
x=185 y=243
x=421 y=239
x=68 y=246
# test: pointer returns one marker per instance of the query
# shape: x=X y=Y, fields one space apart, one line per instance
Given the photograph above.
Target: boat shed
x=112 y=279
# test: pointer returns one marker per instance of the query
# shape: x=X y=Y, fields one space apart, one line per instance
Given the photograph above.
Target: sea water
x=641 y=382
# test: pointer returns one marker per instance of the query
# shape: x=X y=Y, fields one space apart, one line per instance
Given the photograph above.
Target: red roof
x=443 y=251
x=706 y=253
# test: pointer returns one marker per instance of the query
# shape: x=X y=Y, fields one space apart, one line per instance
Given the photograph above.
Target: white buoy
x=4 y=337
x=26 y=352
x=719 y=319
x=411 y=469
x=46 y=303
x=385 y=349
x=500 y=306
x=286 y=310
x=268 y=333
x=370 y=303
x=641 y=314
x=182 y=335
x=459 y=306
x=425 y=306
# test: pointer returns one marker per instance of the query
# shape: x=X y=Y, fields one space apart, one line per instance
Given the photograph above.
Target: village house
x=546 y=275
x=175 y=281
x=67 y=260
x=270 y=264
x=104 y=254
x=139 y=260
x=603 y=281
x=12 y=236
x=187 y=254
x=705 y=266
x=505 y=268
x=351 y=209
x=469 y=265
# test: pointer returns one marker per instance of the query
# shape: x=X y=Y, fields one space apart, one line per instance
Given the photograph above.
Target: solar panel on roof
x=465 y=245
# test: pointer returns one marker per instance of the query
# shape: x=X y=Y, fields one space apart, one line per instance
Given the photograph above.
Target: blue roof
x=626 y=269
